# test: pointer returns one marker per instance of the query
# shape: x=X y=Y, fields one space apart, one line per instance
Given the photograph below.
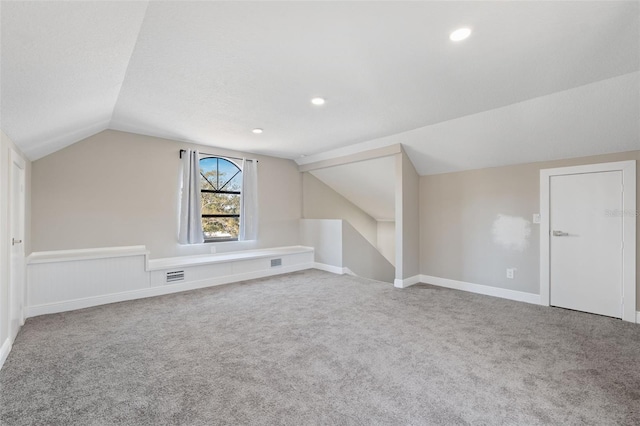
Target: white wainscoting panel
x=86 y=254
x=250 y=266
x=79 y=279
x=296 y=259
x=54 y=282
x=191 y=273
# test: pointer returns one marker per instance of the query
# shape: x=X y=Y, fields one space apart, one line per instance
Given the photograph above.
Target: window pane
x=234 y=184
x=220 y=227
x=229 y=178
x=208 y=173
x=220 y=203
x=220 y=174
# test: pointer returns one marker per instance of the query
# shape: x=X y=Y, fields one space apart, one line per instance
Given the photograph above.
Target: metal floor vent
x=276 y=262
x=174 y=276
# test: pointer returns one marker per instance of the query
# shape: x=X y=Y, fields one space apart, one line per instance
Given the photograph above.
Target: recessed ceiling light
x=460 y=34
x=257 y=131
x=318 y=101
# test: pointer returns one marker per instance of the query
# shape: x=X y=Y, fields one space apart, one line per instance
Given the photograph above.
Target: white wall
x=121 y=189
x=5 y=146
x=326 y=237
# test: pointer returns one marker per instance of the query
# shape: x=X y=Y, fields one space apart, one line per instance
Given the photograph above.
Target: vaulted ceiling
x=210 y=72
x=370 y=185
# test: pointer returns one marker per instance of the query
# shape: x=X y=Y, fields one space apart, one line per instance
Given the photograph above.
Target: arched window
x=220 y=187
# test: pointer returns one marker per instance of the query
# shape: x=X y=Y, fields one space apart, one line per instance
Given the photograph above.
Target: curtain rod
x=222 y=156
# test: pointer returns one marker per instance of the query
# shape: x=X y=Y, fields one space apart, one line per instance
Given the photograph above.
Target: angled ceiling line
x=53 y=144
x=126 y=71
x=531 y=96
x=384 y=142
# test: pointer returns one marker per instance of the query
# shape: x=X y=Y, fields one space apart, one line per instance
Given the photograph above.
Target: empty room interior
x=314 y=212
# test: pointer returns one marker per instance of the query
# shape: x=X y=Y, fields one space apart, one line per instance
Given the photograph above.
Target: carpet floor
x=312 y=348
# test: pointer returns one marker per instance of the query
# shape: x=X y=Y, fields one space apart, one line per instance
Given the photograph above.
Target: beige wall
x=118 y=189
x=457 y=212
x=407 y=218
x=5 y=146
x=322 y=202
x=386 y=240
x=340 y=245
x=362 y=257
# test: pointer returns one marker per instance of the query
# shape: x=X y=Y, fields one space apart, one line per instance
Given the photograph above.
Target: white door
x=586 y=242
x=16 y=243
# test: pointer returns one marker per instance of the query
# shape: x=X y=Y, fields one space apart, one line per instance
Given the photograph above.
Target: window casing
x=220 y=190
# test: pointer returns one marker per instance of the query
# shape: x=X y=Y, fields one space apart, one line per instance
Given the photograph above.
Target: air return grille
x=276 y=262
x=174 y=276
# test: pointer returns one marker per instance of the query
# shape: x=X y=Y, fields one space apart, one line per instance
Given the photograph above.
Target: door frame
x=17 y=160
x=628 y=169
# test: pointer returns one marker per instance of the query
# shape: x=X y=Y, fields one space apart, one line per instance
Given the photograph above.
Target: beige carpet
x=314 y=348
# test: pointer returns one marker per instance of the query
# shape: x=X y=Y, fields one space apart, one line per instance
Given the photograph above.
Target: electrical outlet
x=511 y=272
x=536 y=218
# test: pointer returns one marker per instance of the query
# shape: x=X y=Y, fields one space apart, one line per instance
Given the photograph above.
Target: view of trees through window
x=220 y=186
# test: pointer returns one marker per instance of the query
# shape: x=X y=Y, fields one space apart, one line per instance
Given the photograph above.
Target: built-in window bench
x=65 y=280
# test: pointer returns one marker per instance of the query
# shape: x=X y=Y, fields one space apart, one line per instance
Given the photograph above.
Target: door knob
x=560 y=234
x=14 y=241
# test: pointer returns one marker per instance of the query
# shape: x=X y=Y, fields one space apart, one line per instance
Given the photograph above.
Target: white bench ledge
x=85 y=254
x=205 y=259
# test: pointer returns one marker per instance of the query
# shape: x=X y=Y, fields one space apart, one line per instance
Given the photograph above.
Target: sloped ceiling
x=597 y=118
x=63 y=64
x=209 y=72
x=370 y=185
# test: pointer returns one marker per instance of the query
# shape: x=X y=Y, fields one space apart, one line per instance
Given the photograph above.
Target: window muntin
x=220 y=188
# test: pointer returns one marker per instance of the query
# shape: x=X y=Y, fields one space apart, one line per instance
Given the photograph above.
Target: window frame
x=222 y=191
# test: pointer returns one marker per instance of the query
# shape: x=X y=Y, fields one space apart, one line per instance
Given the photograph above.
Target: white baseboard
x=504 y=293
x=4 y=351
x=406 y=282
x=348 y=271
x=330 y=268
x=70 y=305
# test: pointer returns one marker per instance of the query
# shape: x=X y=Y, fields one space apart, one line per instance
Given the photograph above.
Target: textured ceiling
x=209 y=72
x=63 y=64
x=369 y=185
x=597 y=118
